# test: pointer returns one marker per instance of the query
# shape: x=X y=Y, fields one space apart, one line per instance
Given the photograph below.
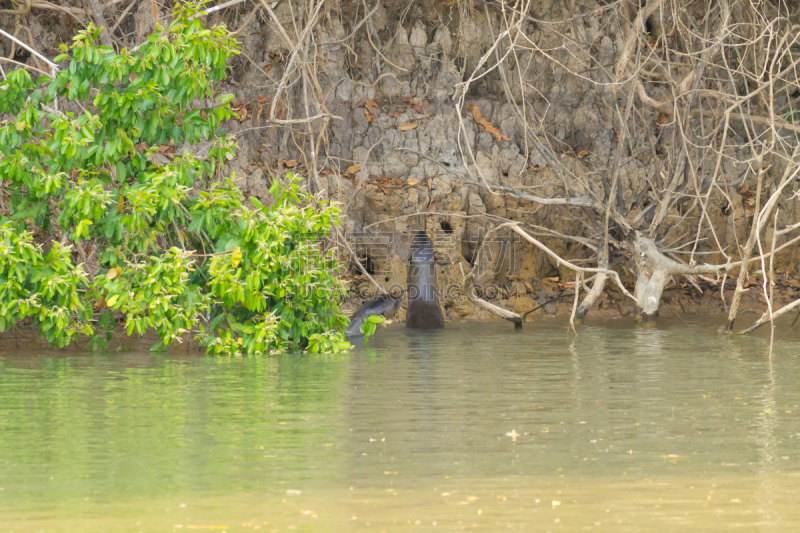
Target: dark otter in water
x=386 y=305
x=424 y=311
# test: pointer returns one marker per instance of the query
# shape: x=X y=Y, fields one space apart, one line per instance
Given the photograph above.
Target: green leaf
x=158 y=348
x=121 y=171
x=216 y=322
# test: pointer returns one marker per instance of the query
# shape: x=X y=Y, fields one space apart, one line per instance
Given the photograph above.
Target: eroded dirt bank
x=401 y=146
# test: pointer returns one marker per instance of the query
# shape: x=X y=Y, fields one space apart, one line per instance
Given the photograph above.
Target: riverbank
x=550 y=298
x=24 y=340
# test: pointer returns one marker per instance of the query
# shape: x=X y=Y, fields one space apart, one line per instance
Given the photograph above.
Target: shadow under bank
x=24 y=341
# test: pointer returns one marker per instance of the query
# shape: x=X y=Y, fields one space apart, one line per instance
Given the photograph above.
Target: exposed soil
x=393 y=156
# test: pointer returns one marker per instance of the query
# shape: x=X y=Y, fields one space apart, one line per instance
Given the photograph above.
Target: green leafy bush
x=92 y=165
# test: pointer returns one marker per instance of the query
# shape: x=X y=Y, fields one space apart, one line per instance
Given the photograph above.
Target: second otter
x=386 y=305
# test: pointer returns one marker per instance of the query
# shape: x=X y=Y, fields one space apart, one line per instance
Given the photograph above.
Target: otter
x=386 y=305
x=424 y=311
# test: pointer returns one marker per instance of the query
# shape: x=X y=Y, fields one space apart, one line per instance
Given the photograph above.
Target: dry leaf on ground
x=476 y=114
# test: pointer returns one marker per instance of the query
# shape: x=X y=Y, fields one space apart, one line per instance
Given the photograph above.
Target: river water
x=475 y=428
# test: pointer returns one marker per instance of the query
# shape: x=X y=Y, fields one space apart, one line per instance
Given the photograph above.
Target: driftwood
x=470 y=291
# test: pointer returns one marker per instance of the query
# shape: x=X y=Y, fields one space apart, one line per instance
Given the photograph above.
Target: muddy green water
x=475 y=428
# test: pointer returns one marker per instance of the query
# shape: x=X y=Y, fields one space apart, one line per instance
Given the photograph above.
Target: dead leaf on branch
x=476 y=114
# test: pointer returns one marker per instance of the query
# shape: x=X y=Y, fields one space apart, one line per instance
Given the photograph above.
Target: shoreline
x=24 y=341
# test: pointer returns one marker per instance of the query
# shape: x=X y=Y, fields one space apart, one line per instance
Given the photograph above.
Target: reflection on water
x=473 y=428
